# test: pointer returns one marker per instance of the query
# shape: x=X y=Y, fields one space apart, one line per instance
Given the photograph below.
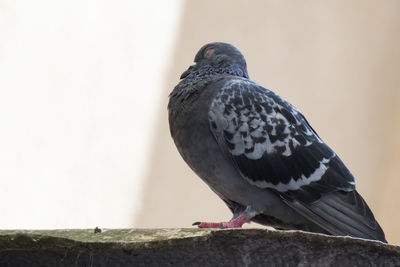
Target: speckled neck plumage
x=208 y=71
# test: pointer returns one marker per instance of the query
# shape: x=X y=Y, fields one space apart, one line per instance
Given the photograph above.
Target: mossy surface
x=111 y=235
x=190 y=247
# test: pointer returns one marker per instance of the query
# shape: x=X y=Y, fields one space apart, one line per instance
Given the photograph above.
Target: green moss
x=113 y=237
x=121 y=247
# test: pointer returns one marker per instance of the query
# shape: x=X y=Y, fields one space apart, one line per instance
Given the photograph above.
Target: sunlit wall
x=79 y=95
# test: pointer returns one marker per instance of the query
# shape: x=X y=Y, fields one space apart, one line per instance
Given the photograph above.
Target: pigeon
x=259 y=154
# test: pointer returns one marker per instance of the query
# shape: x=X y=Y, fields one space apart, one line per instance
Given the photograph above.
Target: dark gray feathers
x=268 y=148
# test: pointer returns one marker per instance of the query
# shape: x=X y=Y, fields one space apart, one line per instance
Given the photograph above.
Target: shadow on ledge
x=189 y=247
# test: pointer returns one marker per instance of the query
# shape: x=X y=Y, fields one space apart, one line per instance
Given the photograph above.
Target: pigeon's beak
x=188 y=71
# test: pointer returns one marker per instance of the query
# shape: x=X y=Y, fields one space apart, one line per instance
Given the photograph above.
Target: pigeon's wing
x=273 y=146
x=271 y=143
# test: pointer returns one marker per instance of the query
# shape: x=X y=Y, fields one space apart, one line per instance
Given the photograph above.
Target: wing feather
x=269 y=141
x=274 y=147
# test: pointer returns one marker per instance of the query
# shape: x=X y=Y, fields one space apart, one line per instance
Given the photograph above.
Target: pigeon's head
x=214 y=58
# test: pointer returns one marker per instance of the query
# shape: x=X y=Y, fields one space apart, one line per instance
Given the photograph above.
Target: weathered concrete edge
x=153 y=238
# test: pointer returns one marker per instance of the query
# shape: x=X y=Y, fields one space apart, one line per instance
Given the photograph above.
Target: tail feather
x=341 y=213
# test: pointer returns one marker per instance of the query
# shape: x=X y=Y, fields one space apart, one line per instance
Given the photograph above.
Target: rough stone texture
x=189 y=247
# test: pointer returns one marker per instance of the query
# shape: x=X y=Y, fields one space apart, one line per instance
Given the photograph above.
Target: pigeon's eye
x=209 y=52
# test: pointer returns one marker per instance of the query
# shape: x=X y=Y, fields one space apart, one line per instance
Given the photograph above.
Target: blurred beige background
x=84 y=138
x=80 y=88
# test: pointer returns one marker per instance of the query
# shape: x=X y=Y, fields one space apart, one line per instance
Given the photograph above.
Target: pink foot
x=235 y=223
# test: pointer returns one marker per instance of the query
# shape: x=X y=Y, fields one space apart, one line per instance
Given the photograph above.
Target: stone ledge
x=189 y=247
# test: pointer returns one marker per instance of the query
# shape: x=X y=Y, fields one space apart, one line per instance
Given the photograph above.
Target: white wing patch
x=294 y=184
